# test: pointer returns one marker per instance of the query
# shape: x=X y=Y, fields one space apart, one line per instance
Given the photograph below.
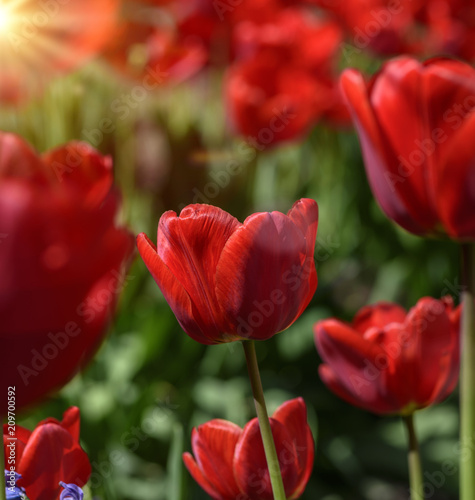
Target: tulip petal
x=214 y=445
x=71 y=422
x=195 y=471
x=18 y=159
x=174 y=293
x=378 y=315
x=250 y=464
x=304 y=213
x=22 y=436
x=355 y=360
x=293 y=416
x=448 y=95
x=430 y=328
x=383 y=175
x=334 y=383
x=190 y=245
x=398 y=91
x=82 y=170
x=260 y=278
x=456 y=186
x=445 y=388
x=397 y=372
x=66 y=460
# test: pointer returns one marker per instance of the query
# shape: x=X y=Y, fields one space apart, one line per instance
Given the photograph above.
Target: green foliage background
x=150 y=384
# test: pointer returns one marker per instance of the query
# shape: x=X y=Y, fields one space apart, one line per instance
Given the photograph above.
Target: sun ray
x=41 y=40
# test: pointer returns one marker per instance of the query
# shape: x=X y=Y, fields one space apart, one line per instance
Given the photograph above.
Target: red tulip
x=215 y=23
x=416 y=123
x=270 y=102
x=390 y=28
x=40 y=39
x=454 y=24
x=47 y=455
x=229 y=281
x=62 y=261
x=284 y=82
x=389 y=361
x=382 y=26
x=153 y=53
x=229 y=462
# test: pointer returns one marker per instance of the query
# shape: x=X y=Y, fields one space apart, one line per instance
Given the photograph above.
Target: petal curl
x=214 y=444
x=293 y=416
x=355 y=360
x=383 y=174
x=304 y=213
x=378 y=316
x=190 y=246
x=174 y=293
x=197 y=474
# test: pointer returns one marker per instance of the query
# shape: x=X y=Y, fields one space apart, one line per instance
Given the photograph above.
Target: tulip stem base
x=414 y=460
x=467 y=372
x=264 y=425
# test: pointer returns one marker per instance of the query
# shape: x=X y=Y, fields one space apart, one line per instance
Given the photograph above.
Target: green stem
x=266 y=432
x=467 y=373
x=414 y=460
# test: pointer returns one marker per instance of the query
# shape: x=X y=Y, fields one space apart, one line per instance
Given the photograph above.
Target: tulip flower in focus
x=42 y=39
x=62 y=262
x=229 y=462
x=48 y=454
x=390 y=361
x=228 y=281
x=416 y=126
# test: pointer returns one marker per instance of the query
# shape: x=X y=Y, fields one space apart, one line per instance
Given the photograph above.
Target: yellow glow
x=5 y=18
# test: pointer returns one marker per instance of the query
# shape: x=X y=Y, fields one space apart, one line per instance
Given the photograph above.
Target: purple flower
x=71 y=492
x=13 y=492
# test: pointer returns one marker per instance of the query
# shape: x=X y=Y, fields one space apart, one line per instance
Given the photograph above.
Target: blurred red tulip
x=452 y=27
x=147 y=46
x=420 y=27
x=40 y=39
x=47 y=455
x=416 y=124
x=228 y=281
x=62 y=262
x=214 y=23
x=381 y=26
x=286 y=80
x=389 y=361
x=229 y=463
x=270 y=102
